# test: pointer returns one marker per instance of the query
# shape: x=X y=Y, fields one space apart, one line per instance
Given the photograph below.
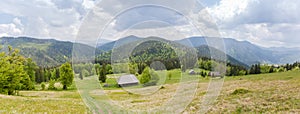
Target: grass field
x=43 y=102
x=264 y=93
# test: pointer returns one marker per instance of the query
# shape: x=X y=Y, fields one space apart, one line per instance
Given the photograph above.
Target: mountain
x=122 y=41
x=285 y=55
x=204 y=51
x=47 y=52
x=249 y=53
x=103 y=41
x=125 y=45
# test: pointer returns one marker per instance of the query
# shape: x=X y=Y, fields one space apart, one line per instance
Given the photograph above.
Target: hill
x=155 y=48
x=122 y=41
x=249 y=53
x=47 y=52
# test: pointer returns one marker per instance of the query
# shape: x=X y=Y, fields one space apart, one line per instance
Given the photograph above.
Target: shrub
x=51 y=85
x=145 y=77
x=85 y=73
x=169 y=75
x=149 y=77
x=240 y=91
x=43 y=85
x=136 y=74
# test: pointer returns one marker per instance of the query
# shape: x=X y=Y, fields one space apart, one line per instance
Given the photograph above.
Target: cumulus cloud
x=58 y=19
x=9 y=30
x=266 y=23
x=116 y=17
x=12 y=29
x=263 y=22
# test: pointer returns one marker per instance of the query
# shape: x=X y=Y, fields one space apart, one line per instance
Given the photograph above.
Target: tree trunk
x=65 y=87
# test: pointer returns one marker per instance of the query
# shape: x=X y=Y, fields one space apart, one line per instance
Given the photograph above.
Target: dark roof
x=127 y=79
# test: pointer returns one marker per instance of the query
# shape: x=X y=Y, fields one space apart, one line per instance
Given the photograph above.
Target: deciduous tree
x=66 y=75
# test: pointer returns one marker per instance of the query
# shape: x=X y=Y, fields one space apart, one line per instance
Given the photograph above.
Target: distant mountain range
x=242 y=51
x=110 y=45
x=203 y=50
x=50 y=52
x=249 y=53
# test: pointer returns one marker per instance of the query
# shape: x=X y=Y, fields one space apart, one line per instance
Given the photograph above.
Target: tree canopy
x=15 y=73
x=66 y=75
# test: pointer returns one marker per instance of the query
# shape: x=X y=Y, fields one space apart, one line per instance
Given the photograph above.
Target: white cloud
x=266 y=23
x=44 y=18
x=9 y=30
x=263 y=22
x=88 y=4
x=228 y=9
x=121 y=15
x=17 y=21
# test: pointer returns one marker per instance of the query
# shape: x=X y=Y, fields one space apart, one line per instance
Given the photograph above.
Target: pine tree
x=145 y=77
x=102 y=75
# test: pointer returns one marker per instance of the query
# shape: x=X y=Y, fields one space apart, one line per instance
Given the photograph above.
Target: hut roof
x=127 y=79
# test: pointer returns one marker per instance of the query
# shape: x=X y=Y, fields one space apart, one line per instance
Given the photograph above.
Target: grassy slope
x=265 y=93
x=43 y=102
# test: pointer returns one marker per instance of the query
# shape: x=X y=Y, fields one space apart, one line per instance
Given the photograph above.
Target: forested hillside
x=158 y=48
x=46 y=52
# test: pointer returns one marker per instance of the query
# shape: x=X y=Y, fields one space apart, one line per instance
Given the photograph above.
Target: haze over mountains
x=249 y=53
x=50 y=52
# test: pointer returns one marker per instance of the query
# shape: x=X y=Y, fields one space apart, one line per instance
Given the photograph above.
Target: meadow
x=263 y=93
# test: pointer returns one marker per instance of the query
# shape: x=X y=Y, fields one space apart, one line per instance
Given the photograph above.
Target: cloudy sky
x=266 y=23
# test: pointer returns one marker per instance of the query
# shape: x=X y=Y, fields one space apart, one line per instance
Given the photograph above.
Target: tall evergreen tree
x=102 y=76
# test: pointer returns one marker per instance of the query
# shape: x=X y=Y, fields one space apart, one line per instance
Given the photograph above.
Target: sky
x=267 y=23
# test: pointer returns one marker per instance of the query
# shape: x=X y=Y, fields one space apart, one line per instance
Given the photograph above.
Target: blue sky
x=268 y=23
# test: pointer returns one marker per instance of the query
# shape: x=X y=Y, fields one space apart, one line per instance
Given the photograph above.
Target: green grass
x=263 y=93
x=240 y=91
x=176 y=77
x=38 y=46
x=43 y=102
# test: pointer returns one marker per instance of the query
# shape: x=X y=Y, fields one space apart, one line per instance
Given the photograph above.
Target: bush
x=85 y=73
x=145 y=77
x=154 y=76
x=240 y=91
x=136 y=74
x=169 y=75
x=43 y=85
x=149 y=77
x=51 y=85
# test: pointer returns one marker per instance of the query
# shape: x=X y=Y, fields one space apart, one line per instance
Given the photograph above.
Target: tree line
x=20 y=73
x=265 y=68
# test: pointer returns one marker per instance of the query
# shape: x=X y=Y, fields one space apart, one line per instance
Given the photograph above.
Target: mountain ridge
x=243 y=51
x=46 y=52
